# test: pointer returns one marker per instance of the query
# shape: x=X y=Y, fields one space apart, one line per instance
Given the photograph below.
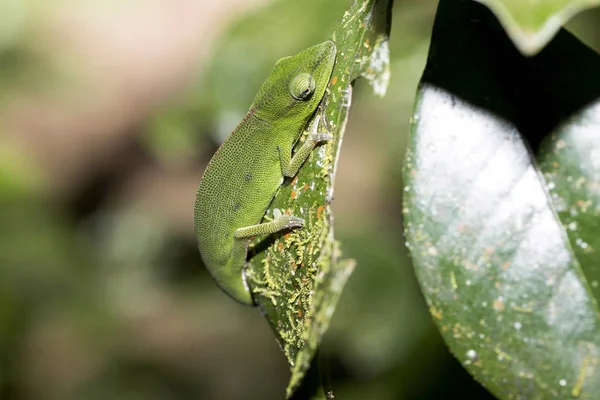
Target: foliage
x=102 y=291
x=501 y=205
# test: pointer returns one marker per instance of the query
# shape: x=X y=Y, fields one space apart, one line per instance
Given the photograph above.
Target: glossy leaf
x=512 y=294
x=570 y=162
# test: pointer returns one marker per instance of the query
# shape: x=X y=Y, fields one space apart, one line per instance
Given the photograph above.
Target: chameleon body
x=244 y=174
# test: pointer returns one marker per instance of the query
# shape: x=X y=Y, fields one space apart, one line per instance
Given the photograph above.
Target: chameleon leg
x=291 y=165
x=279 y=223
x=230 y=277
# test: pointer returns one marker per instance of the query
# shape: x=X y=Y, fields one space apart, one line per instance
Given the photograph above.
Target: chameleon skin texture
x=242 y=177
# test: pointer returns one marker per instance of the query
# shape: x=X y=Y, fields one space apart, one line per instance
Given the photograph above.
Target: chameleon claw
x=286 y=221
x=320 y=137
x=292 y=222
x=317 y=136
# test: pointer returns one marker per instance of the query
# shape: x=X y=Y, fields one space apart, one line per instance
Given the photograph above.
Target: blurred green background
x=109 y=112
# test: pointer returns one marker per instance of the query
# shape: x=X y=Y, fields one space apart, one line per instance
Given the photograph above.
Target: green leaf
x=297 y=279
x=531 y=24
x=570 y=162
x=502 y=164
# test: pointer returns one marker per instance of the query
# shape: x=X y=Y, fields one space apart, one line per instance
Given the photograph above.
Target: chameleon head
x=297 y=83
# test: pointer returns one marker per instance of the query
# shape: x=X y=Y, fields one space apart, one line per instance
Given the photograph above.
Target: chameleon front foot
x=316 y=136
x=290 y=167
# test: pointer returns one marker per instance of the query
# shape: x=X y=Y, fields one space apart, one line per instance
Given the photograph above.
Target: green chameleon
x=242 y=177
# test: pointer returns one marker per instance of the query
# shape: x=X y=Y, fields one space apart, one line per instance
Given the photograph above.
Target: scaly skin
x=244 y=174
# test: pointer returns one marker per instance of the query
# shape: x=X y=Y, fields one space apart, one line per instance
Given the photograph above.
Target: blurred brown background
x=109 y=112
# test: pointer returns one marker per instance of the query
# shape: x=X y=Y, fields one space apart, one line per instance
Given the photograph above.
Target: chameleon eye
x=302 y=87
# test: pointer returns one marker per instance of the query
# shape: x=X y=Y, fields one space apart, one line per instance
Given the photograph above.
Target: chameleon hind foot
x=279 y=222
